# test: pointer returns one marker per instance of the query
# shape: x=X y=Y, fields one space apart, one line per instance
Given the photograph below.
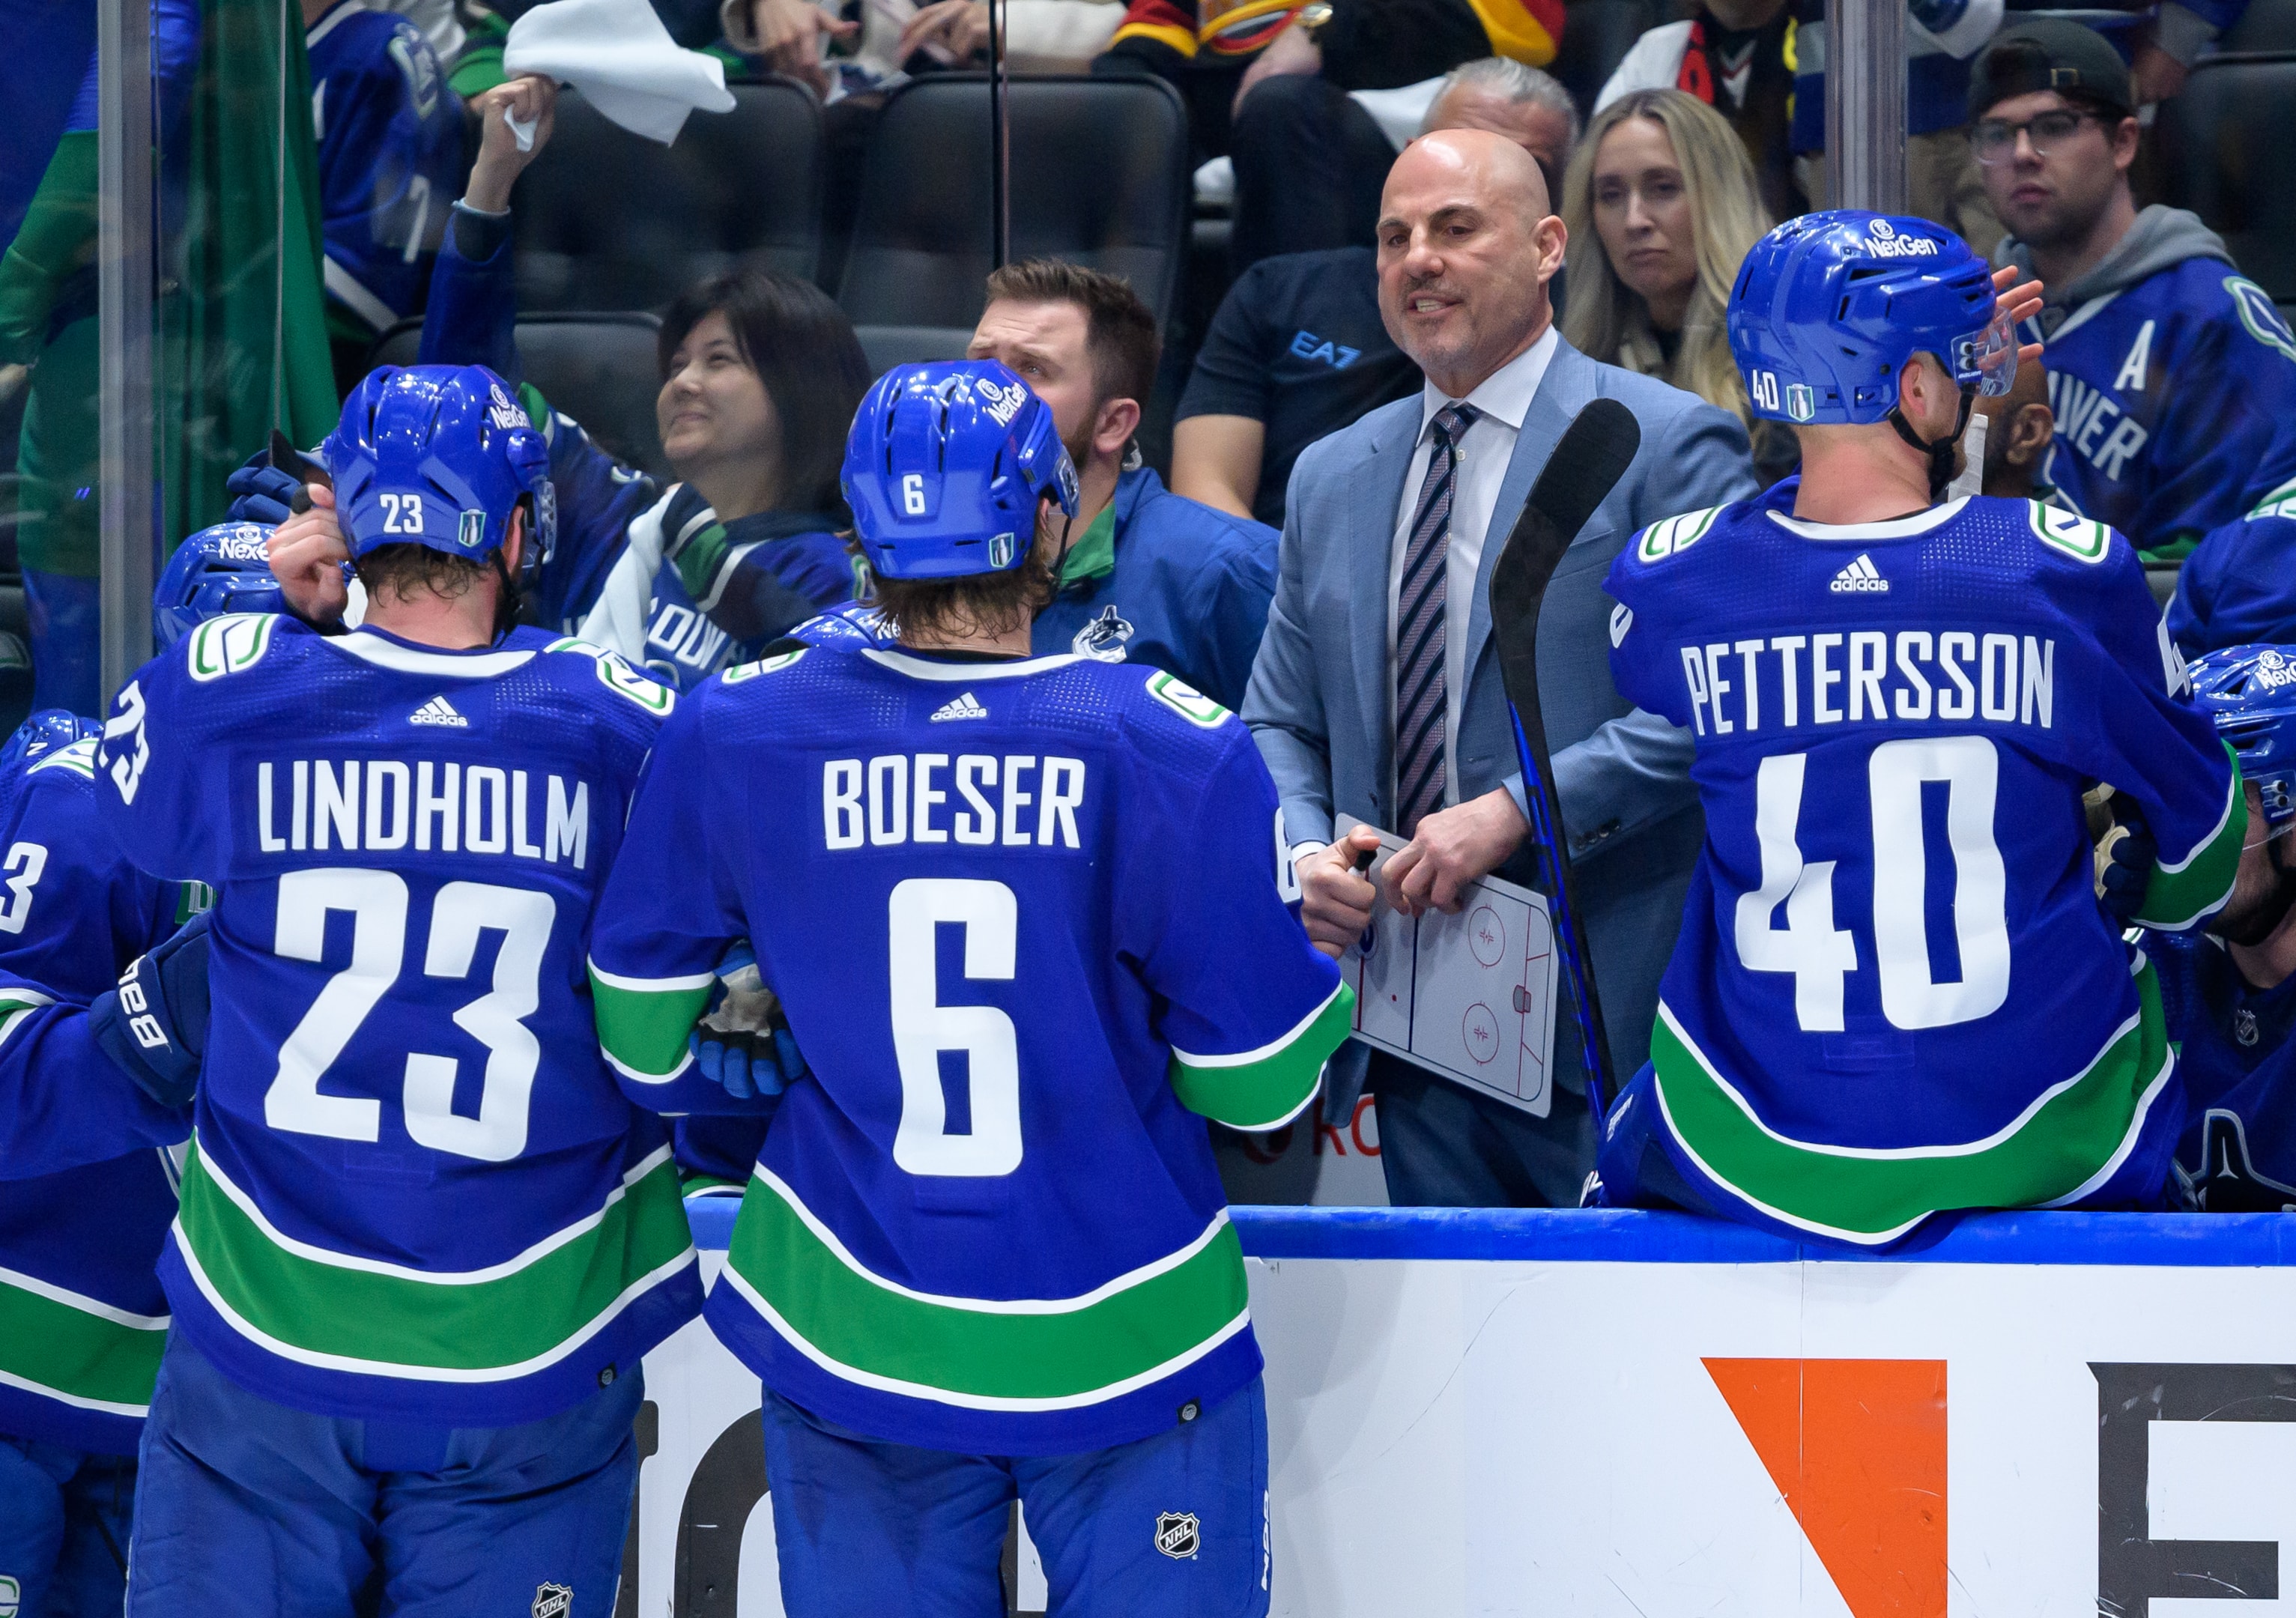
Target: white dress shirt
x=1484 y=451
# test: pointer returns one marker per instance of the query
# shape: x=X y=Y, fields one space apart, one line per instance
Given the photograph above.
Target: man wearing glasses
x=2168 y=369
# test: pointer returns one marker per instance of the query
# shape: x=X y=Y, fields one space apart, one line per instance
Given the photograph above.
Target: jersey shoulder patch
x=2260 y=316
x=2280 y=502
x=615 y=673
x=230 y=644
x=1675 y=535
x=77 y=759
x=2078 y=537
x=1185 y=700
x=741 y=672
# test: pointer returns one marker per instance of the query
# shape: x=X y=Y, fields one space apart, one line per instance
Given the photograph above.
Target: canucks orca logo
x=1003 y=404
x=1104 y=637
x=2228 y=1181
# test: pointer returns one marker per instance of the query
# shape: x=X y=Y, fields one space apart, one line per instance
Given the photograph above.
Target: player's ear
x=514 y=539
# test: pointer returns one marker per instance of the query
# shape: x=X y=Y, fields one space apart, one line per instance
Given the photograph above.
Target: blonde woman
x=1662 y=206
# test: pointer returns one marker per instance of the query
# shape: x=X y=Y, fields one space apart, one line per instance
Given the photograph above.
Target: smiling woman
x=1662 y=205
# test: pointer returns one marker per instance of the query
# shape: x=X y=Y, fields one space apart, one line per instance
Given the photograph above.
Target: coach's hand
x=1336 y=899
x=1453 y=848
x=155 y=1025
x=531 y=99
x=954 y=30
x=308 y=555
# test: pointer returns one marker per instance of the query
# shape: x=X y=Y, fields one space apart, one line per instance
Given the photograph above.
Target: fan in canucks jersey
x=1896 y=993
x=1024 y=917
x=2227 y=993
x=426 y=1233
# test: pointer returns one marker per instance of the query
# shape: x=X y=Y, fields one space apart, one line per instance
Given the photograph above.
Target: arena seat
x=2221 y=144
x=1100 y=176
x=1597 y=35
x=599 y=369
x=889 y=346
x=2268 y=25
x=610 y=220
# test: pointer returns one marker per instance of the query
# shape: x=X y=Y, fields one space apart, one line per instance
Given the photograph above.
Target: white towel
x=619 y=57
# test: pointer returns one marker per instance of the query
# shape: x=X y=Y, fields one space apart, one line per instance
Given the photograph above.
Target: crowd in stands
x=1219 y=448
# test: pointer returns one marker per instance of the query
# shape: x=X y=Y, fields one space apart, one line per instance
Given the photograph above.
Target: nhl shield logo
x=1000 y=550
x=1801 y=401
x=1178 y=1535
x=552 y=1601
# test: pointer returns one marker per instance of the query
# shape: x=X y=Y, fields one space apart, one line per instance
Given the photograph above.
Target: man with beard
x=1147 y=576
x=2227 y=994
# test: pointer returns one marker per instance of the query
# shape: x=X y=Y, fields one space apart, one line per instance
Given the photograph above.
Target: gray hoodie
x=2162 y=238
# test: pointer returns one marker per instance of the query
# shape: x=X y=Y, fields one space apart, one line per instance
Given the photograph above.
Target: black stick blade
x=1593 y=455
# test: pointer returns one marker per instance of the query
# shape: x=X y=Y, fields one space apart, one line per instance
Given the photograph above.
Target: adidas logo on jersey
x=438 y=711
x=1860 y=577
x=960 y=706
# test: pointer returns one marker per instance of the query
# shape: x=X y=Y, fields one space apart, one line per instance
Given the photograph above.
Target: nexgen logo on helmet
x=945 y=466
x=1828 y=308
x=219 y=569
x=439 y=456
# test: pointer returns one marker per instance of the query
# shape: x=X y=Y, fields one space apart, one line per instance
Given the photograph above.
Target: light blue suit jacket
x=1320 y=696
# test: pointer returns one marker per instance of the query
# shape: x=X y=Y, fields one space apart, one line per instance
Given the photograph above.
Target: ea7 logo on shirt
x=1003 y=404
x=1306 y=345
x=1178 y=1535
x=1860 y=577
x=552 y=1601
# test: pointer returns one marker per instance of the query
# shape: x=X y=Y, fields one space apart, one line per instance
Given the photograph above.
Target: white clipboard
x=1470 y=996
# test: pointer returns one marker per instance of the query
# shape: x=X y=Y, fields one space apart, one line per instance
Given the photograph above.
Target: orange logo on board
x=1858 y=1447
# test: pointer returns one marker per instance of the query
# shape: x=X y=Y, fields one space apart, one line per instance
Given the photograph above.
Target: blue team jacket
x=1188 y=592
x=2238 y=1154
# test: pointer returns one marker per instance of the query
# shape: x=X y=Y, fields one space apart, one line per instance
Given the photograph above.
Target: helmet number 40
x=1765 y=389
x=912 y=494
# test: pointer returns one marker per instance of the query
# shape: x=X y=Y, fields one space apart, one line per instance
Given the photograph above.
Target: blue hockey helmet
x=2250 y=693
x=438 y=455
x=43 y=734
x=1828 y=308
x=945 y=466
x=217 y=571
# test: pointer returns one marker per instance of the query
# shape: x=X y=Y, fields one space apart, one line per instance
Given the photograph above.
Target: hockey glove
x=264 y=493
x=2125 y=857
x=154 y=1026
x=742 y=1043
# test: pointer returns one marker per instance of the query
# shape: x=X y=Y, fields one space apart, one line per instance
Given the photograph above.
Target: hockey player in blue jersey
x=1026 y=918
x=426 y=1233
x=2238 y=588
x=2169 y=372
x=390 y=156
x=1896 y=993
x=2227 y=993
x=86 y=1178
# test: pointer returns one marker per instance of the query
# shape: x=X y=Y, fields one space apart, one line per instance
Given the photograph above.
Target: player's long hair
x=1608 y=320
x=804 y=351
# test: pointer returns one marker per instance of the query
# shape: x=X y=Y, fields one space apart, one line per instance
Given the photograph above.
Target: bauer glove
x=155 y=1025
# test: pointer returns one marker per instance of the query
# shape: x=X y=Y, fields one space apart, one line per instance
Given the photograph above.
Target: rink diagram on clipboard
x=1470 y=996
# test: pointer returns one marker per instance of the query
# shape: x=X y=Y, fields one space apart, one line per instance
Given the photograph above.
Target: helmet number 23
x=401 y=513
x=912 y=494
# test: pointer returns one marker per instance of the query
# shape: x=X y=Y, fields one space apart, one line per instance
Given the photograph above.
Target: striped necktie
x=1421 y=703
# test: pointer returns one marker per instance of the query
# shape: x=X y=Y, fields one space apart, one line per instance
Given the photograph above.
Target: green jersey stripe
x=487 y=1325
x=2054 y=1152
x=58 y=1344
x=1259 y=1089
x=2184 y=890
x=642 y=1026
x=991 y=1353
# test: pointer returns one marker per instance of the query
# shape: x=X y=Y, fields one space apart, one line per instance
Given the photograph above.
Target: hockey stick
x=1578 y=476
x=1000 y=141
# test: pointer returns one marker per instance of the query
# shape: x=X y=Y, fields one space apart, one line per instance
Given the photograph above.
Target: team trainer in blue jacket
x=2168 y=371
x=1150 y=577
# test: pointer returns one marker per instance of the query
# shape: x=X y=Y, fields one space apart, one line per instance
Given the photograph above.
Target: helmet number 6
x=912 y=494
